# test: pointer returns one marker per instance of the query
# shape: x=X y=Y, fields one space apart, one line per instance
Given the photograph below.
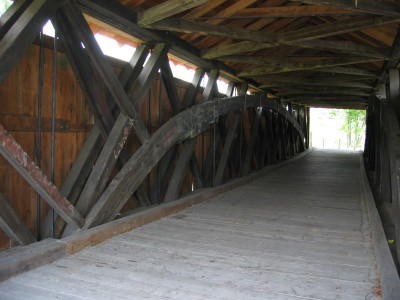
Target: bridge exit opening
x=337 y=129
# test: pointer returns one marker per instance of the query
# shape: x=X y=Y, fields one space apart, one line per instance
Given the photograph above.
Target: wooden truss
x=93 y=193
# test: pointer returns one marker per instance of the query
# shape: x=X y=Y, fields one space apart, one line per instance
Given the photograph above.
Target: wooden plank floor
x=298 y=233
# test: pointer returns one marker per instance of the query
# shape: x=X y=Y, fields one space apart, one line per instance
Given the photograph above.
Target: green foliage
x=354 y=126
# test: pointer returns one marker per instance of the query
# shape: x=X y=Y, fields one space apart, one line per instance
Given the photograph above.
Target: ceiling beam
x=327 y=68
x=167 y=9
x=345 y=47
x=323 y=92
x=295 y=11
x=187 y=26
x=361 y=6
x=301 y=37
x=349 y=71
x=277 y=65
x=356 y=103
x=112 y=12
x=315 y=83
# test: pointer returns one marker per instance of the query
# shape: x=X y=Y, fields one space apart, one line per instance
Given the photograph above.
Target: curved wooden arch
x=187 y=124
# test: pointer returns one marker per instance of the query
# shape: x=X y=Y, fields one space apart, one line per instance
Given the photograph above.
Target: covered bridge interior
x=95 y=146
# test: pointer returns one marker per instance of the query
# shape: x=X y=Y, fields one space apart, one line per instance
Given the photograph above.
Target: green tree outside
x=354 y=126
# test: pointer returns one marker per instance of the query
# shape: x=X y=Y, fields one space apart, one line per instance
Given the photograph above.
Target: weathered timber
x=297 y=36
x=187 y=124
x=188 y=147
x=11 y=15
x=264 y=71
x=86 y=74
x=275 y=67
x=112 y=12
x=193 y=89
x=118 y=136
x=333 y=102
x=94 y=143
x=23 y=31
x=246 y=167
x=78 y=24
x=21 y=259
x=12 y=225
x=211 y=158
x=294 y=11
x=364 y=6
x=187 y=26
x=132 y=70
x=227 y=148
x=166 y=9
x=76 y=178
x=19 y=159
x=346 y=47
x=188 y=100
x=104 y=165
x=294 y=82
x=323 y=92
x=349 y=71
x=170 y=85
x=139 y=88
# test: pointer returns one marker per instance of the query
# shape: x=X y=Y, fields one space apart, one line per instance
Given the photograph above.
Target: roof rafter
x=261 y=40
x=277 y=66
x=365 y=6
x=167 y=9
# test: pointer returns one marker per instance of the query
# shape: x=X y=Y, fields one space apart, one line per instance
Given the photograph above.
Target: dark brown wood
x=166 y=9
x=19 y=159
x=117 y=138
x=23 y=31
x=112 y=12
x=132 y=70
x=364 y=6
x=76 y=178
x=188 y=147
x=275 y=81
x=79 y=27
x=273 y=66
x=231 y=135
x=89 y=79
x=188 y=100
x=264 y=71
x=299 y=36
x=177 y=129
x=12 y=225
x=247 y=163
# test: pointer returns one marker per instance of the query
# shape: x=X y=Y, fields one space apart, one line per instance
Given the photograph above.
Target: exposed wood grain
x=166 y=9
x=19 y=159
x=295 y=36
x=22 y=32
x=180 y=256
x=365 y=6
x=187 y=124
x=294 y=11
x=12 y=225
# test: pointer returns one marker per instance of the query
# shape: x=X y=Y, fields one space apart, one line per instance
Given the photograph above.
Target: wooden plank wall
x=18 y=102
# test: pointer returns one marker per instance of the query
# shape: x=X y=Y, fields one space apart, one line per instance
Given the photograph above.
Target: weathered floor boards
x=298 y=233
